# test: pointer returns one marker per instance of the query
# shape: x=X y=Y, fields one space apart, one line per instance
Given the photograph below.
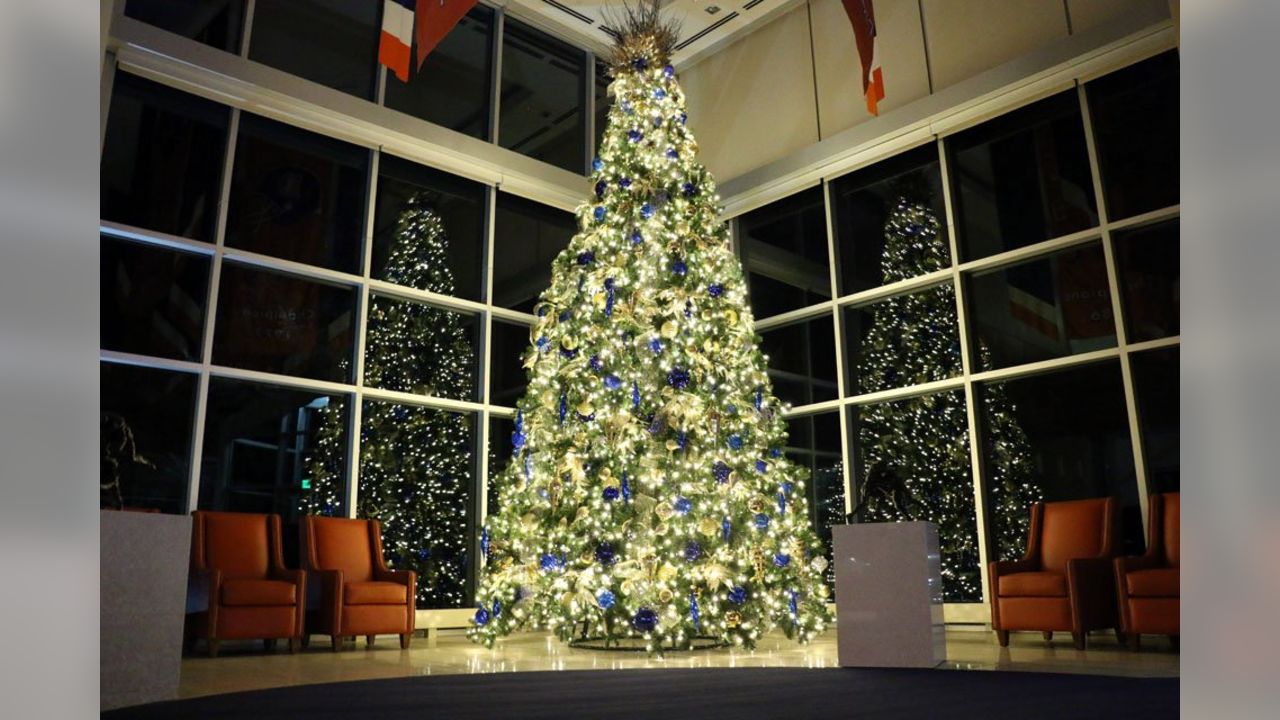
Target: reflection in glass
x=1155 y=388
x=283 y=324
x=603 y=78
x=156 y=408
x=1022 y=178
x=416 y=348
x=1135 y=124
x=784 y=253
x=1051 y=307
x=452 y=86
x=297 y=195
x=543 y=104
x=911 y=462
x=454 y=240
x=501 y=448
x=153 y=299
x=260 y=445
x=527 y=237
x=1150 y=282
x=416 y=476
x=802 y=360
x=162 y=159
x=1076 y=445
x=813 y=443
x=508 y=377
x=902 y=340
x=331 y=42
x=216 y=23
x=888 y=221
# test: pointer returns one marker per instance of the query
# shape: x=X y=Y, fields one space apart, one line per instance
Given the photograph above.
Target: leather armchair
x=359 y=595
x=1148 y=586
x=1065 y=579
x=241 y=584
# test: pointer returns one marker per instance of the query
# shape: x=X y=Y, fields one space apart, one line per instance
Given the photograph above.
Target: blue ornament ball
x=597 y=164
x=611 y=493
x=721 y=471
x=646 y=211
x=482 y=615
x=604 y=553
x=656 y=345
x=738 y=595
x=613 y=382
x=735 y=442
x=669 y=71
x=692 y=551
x=762 y=521
x=679 y=267
x=645 y=620
x=683 y=506
x=634 y=135
x=587 y=257
x=781 y=560
x=605 y=599
x=678 y=378
x=672 y=154
x=761 y=466
x=601 y=187
x=659 y=93
x=598 y=213
x=689 y=189
x=715 y=290
x=636 y=238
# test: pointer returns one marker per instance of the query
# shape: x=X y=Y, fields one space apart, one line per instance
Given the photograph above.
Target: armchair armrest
x=297 y=577
x=1009 y=567
x=1125 y=565
x=1091 y=585
x=400 y=577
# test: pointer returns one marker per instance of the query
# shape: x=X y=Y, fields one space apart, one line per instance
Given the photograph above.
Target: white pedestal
x=143 y=593
x=889 y=595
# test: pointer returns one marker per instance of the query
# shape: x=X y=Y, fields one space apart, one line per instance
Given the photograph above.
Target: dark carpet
x=731 y=694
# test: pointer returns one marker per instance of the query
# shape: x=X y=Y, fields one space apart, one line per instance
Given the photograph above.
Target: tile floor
x=246 y=667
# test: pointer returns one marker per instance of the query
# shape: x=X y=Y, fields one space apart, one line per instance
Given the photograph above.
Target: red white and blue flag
x=397 y=37
x=863 y=18
x=435 y=19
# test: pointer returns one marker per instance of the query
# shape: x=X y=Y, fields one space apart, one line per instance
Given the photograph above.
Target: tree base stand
x=700 y=642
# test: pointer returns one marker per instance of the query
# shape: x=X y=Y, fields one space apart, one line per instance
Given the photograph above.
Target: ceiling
x=705 y=25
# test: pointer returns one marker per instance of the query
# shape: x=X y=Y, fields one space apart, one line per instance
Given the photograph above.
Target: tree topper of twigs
x=644 y=38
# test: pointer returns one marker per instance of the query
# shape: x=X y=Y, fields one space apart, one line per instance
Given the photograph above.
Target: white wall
x=754 y=102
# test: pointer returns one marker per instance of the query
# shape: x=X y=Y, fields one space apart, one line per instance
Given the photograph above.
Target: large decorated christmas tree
x=649 y=504
x=415 y=462
x=915 y=452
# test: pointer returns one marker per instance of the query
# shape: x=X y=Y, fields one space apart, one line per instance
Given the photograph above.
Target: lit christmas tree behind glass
x=415 y=462
x=915 y=462
x=648 y=502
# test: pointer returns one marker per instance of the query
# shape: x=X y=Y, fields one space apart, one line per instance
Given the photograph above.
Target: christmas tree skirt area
x=732 y=694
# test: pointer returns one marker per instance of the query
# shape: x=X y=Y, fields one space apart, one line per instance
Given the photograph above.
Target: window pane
x=283 y=324
x=213 y=22
x=331 y=42
x=156 y=407
x=417 y=348
x=162 y=159
x=1155 y=387
x=417 y=473
x=802 y=360
x=153 y=299
x=1022 y=178
x=428 y=229
x=911 y=462
x=1150 y=282
x=271 y=449
x=784 y=252
x=1054 y=306
x=297 y=195
x=1135 y=126
x=1056 y=436
x=508 y=377
x=500 y=451
x=452 y=87
x=890 y=223
x=602 y=101
x=902 y=340
x=814 y=444
x=543 y=110
x=527 y=236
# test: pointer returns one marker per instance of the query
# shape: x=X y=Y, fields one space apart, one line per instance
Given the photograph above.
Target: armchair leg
x=337 y=642
x=1079 y=638
x=1047 y=635
x=306 y=640
x=1134 y=641
x=213 y=648
x=294 y=644
x=1003 y=637
x=1120 y=636
x=404 y=640
x=269 y=644
x=1173 y=640
x=368 y=640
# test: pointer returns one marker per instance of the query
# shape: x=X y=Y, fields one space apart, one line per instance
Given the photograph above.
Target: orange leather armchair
x=1148 y=586
x=358 y=594
x=251 y=594
x=1065 y=580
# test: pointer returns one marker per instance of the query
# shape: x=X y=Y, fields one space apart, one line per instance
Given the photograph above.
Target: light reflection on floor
x=246 y=667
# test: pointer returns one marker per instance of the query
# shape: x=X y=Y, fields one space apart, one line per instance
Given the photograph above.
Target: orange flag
x=863 y=18
x=434 y=19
